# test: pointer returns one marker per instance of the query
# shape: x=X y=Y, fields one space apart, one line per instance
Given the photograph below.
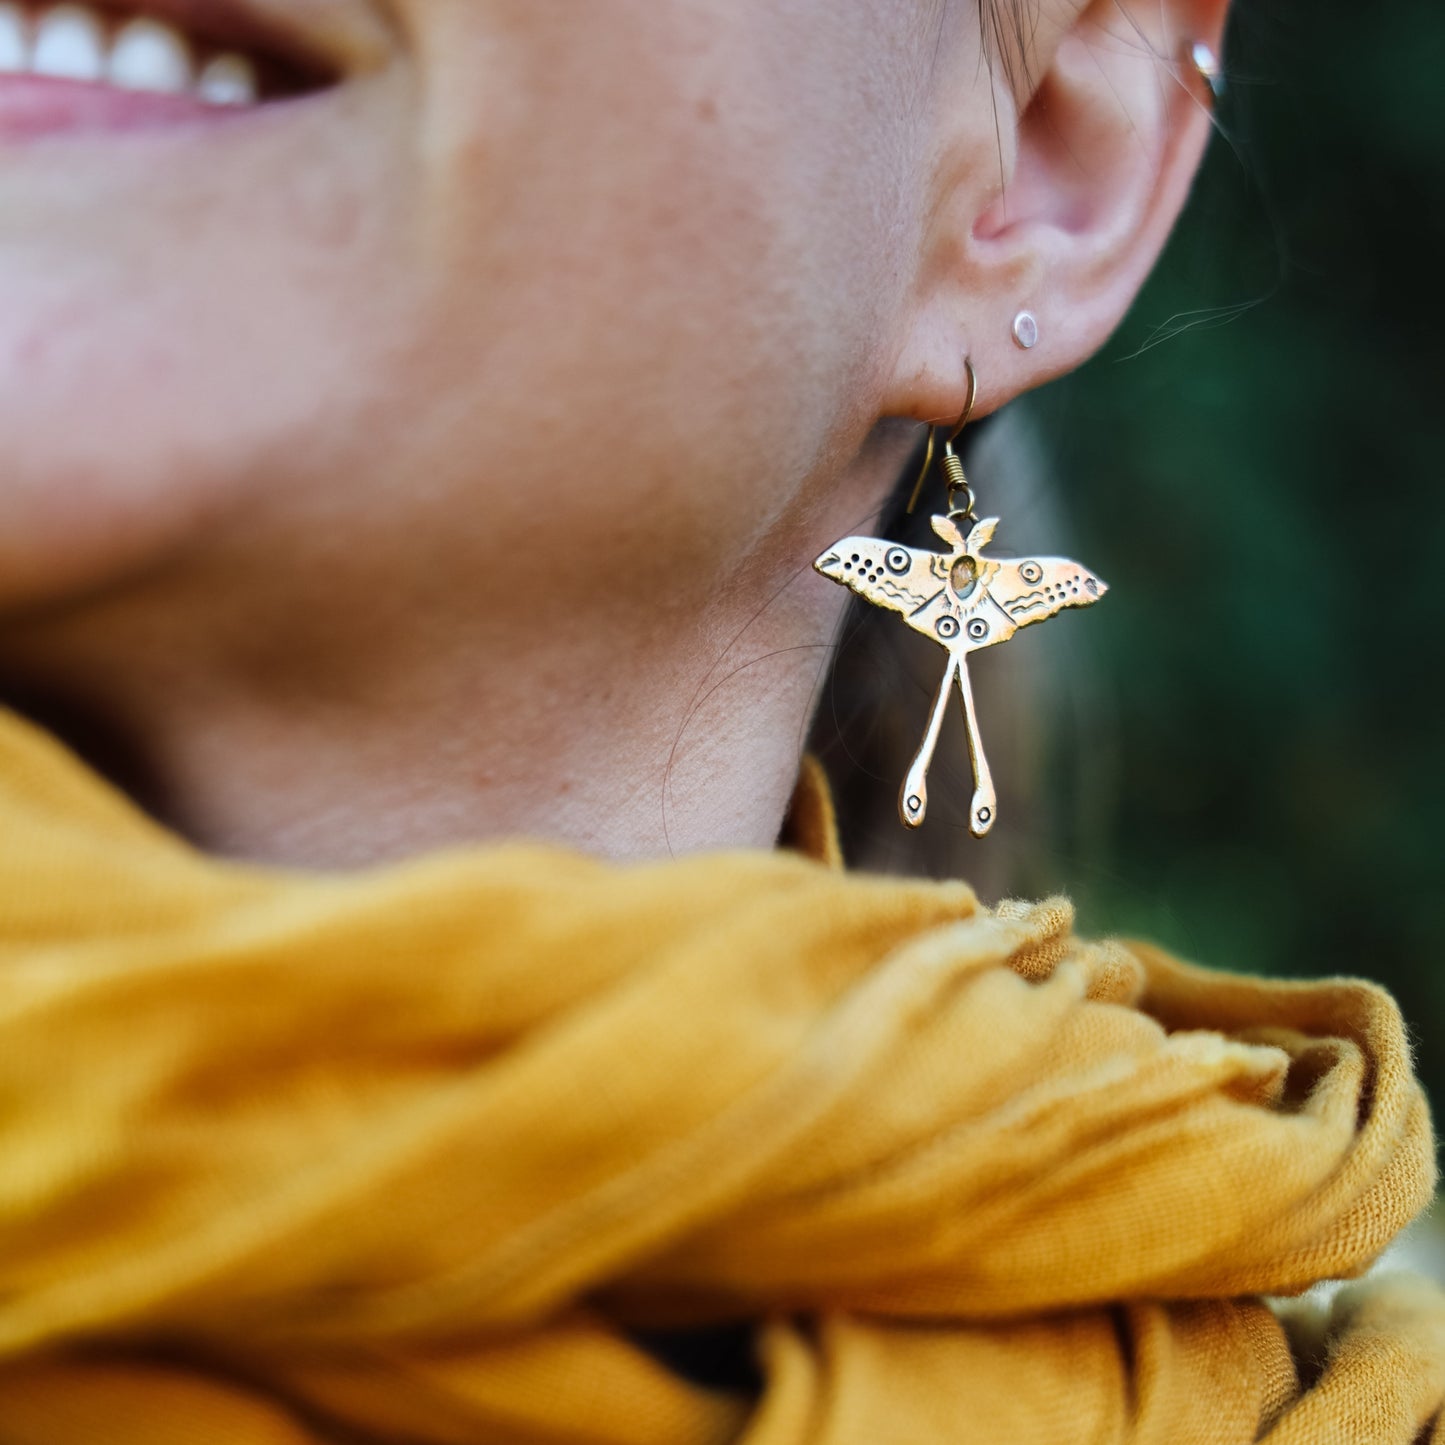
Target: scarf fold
x=408 y=1156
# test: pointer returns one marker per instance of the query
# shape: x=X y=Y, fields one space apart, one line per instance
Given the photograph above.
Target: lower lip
x=35 y=106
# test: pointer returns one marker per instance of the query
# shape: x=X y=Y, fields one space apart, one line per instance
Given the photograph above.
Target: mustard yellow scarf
x=415 y=1156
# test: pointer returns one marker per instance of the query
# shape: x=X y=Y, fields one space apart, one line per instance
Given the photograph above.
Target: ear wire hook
x=952 y=466
x=953 y=463
x=923 y=475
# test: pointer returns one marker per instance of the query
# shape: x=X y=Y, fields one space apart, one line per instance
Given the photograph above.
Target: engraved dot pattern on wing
x=1031 y=589
x=901 y=579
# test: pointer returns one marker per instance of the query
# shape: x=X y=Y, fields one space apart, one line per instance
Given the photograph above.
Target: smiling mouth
x=68 y=66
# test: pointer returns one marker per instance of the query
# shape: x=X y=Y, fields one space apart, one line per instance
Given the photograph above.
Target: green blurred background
x=1267 y=492
x=1241 y=751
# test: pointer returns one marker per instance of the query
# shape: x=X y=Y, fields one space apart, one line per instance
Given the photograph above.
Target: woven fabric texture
x=410 y=1156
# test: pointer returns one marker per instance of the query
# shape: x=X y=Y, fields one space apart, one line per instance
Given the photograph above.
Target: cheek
x=183 y=326
x=638 y=261
x=669 y=234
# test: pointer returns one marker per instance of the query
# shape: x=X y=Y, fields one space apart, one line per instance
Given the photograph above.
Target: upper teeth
x=75 y=42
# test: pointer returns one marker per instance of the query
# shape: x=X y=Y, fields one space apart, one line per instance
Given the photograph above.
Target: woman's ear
x=1091 y=137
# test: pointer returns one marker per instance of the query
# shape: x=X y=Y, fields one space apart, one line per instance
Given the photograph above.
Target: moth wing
x=898 y=594
x=1030 y=589
x=947 y=528
x=861 y=565
x=982 y=534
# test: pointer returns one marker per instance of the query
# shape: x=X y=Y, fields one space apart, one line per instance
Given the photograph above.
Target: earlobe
x=1112 y=118
x=1108 y=145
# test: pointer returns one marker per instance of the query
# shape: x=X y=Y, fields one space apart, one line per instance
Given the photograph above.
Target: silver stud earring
x=1026 y=330
x=1206 y=65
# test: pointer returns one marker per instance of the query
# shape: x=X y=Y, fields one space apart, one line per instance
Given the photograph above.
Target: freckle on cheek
x=30 y=350
x=39 y=343
x=327 y=216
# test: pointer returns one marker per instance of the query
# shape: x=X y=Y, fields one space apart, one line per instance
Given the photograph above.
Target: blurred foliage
x=1255 y=464
x=1241 y=753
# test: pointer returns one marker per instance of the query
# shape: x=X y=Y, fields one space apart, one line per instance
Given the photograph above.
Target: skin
x=441 y=457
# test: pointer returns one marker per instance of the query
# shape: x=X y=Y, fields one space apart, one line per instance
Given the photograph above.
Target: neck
x=298 y=695
x=624 y=740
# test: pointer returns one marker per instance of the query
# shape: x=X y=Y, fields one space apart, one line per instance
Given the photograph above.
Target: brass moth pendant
x=965 y=601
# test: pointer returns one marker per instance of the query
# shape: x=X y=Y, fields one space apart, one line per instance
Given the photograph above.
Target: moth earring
x=963 y=599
